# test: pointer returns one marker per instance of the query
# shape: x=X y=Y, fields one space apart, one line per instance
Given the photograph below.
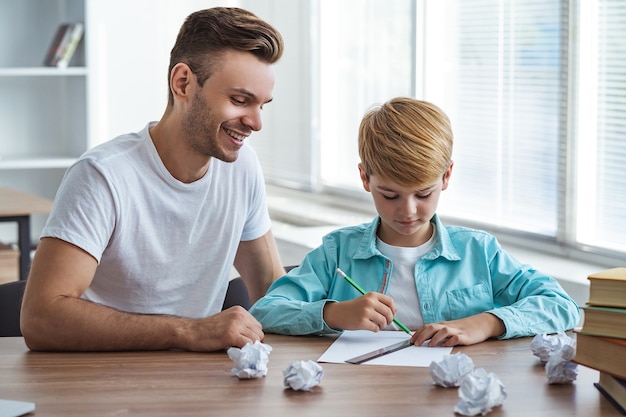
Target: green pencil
x=362 y=291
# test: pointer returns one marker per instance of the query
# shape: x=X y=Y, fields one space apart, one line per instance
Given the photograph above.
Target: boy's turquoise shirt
x=467 y=272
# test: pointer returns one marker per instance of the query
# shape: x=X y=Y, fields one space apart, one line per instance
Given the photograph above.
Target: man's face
x=228 y=107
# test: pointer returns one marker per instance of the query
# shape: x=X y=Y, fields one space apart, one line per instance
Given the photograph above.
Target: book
x=614 y=389
x=55 y=50
x=604 y=321
x=608 y=288
x=605 y=354
x=70 y=46
x=64 y=44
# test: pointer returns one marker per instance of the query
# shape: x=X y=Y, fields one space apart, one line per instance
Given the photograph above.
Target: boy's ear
x=366 y=184
x=446 y=176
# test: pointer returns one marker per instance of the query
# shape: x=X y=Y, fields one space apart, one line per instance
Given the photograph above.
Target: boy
x=452 y=285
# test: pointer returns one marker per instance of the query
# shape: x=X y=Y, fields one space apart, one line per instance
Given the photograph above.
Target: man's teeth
x=235 y=135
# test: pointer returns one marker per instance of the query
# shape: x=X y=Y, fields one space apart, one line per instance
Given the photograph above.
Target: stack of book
x=601 y=343
x=64 y=44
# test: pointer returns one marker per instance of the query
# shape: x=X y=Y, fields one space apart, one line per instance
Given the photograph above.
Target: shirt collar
x=443 y=243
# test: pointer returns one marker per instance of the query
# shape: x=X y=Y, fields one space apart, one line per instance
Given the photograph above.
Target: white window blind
x=535 y=90
x=505 y=91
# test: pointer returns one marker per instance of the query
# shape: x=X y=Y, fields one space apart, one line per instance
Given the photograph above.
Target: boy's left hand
x=466 y=331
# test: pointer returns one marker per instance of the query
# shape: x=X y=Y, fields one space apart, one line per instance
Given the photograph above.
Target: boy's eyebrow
x=423 y=190
x=249 y=93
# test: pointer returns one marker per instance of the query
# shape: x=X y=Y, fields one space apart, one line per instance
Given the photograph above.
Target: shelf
x=42 y=72
x=35 y=163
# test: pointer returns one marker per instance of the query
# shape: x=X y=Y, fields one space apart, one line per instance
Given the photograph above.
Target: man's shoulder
x=117 y=145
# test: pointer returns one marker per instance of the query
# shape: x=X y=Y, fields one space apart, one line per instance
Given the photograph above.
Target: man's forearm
x=73 y=324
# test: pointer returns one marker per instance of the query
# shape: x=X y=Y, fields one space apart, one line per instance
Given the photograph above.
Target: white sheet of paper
x=10 y=408
x=353 y=343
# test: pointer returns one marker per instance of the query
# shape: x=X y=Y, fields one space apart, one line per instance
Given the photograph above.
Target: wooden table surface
x=17 y=203
x=17 y=206
x=174 y=383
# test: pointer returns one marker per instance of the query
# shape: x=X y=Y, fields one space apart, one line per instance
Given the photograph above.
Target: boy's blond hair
x=406 y=141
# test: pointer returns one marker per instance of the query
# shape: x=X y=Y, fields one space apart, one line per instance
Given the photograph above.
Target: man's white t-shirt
x=163 y=246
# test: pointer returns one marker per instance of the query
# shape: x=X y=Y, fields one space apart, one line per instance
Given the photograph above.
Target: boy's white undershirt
x=402 y=281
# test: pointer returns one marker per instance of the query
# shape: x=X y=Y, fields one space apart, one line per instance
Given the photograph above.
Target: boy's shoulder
x=355 y=229
x=457 y=233
x=344 y=233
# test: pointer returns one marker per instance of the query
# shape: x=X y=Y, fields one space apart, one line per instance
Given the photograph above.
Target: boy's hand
x=466 y=331
x=373 y=311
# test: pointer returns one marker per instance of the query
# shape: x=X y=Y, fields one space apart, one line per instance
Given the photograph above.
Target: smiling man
x=145 y=228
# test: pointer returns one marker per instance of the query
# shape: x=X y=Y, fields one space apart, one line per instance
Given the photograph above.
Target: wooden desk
x=195 y=384
x=16 y=206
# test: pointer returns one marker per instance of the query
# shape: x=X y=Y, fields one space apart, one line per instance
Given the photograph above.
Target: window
x=601 y=125
x=535 y=90
x=366 y=57
x=503 y=82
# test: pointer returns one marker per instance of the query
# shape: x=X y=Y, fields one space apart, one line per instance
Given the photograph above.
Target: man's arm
x=54 y=317
x=258 y=263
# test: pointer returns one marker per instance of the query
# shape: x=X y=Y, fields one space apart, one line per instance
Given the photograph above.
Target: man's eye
x=237 y=101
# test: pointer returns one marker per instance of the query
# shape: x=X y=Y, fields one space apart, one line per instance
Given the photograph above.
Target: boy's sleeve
x=294 y=304
x=528 y=301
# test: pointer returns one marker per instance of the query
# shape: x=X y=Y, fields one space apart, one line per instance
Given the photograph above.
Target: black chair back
x=11 y=294
x=237 y=293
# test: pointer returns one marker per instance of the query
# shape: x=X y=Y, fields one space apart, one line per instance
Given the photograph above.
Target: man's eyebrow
x=249 y=93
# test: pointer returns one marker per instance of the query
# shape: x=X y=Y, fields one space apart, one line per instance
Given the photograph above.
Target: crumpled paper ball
x=303 y=375
x=251 y=360
x=449 y=371
x=556 y=352
x=544 y=345
x=560 y=369
x=479 y=391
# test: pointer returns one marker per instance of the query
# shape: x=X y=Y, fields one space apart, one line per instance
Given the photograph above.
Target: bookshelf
x=43 y=110
x=114 y=84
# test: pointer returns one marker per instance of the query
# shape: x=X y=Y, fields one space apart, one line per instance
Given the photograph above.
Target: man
x=145 y=228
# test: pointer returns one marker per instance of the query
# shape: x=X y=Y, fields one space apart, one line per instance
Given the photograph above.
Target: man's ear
x=364 y=179
x=446 y=176
x=181 y=79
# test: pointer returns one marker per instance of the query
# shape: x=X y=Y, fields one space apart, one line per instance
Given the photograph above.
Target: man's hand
x=373 y=311
x=233 y=327
x=466 y=331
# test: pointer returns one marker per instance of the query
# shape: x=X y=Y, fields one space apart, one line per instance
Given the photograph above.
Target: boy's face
x=405 y=213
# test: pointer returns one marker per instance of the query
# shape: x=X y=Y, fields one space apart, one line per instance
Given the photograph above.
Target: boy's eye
x=424 y=196
x=389 y=197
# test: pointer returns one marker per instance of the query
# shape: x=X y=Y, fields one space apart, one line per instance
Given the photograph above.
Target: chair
x=11 y=294
x=237 y=293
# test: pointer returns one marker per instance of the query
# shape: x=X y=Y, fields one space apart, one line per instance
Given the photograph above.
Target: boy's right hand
x=373 y=311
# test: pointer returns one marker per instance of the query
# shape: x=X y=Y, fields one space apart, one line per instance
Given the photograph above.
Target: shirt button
x=426 y=306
